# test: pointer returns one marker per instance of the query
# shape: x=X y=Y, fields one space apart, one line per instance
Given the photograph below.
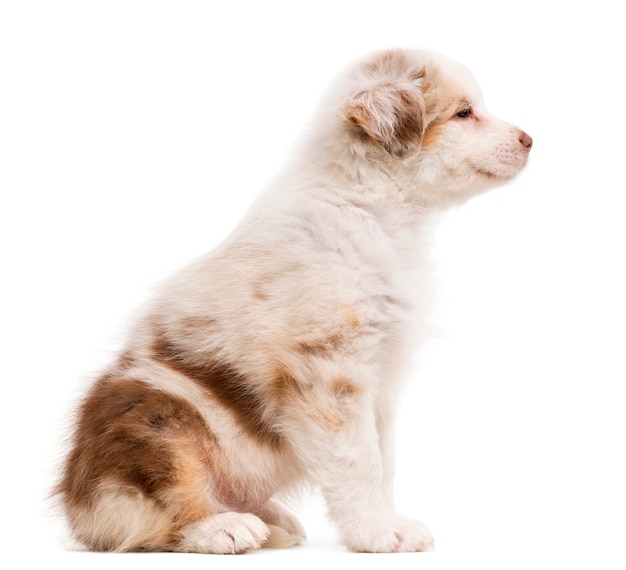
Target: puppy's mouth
x=499 y=176
x=504 y=166
x=488 y=175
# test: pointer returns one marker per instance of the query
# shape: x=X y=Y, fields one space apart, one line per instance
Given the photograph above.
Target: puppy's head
x=423 y=114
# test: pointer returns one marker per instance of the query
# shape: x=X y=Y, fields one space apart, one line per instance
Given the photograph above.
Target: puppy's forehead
x=457 y=76
x=437 y=72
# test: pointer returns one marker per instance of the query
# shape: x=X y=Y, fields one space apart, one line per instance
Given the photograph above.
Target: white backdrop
x=133 y=135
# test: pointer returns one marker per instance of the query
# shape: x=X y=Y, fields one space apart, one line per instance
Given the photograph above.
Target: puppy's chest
x=393 y=301
x=385 y=306
x=364 y=285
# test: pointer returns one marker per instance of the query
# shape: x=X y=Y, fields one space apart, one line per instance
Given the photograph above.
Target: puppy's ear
x=392 y=115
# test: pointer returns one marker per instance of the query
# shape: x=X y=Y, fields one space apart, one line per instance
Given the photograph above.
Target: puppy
x=275 y=361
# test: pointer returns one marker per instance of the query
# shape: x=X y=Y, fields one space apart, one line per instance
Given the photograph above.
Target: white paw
x=415 y=537
x=398 y=535
x=285 y=529
x=225 y=533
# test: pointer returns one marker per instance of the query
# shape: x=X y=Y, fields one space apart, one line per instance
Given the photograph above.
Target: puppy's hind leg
x=138 y=476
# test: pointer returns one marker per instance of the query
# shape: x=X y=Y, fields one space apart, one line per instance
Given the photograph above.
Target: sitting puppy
x=275 y=361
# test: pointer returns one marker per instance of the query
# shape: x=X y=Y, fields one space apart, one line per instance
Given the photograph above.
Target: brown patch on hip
x=134 y=436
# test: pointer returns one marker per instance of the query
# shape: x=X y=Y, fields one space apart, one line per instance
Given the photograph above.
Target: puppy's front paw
x=415 y=537
x=395 y=536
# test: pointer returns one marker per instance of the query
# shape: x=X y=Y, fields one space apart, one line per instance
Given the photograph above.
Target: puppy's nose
x=526 y=140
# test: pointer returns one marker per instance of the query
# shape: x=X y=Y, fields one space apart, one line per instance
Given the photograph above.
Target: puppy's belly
x=240 y=496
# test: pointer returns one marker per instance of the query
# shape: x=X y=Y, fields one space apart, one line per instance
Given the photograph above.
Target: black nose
x=526 y=140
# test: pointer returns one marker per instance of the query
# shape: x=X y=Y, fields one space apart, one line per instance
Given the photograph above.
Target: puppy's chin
x=493 y=178
x=480 y=181
x=490 y=179
x=506 y=166
x=503 y=172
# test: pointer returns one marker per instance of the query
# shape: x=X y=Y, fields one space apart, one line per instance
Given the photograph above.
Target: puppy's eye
x=464 y=113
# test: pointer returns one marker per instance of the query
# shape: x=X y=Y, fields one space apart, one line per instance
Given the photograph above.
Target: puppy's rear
x=276 y=360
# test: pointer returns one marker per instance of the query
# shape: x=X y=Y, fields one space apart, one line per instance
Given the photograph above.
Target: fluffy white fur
x=276 y=359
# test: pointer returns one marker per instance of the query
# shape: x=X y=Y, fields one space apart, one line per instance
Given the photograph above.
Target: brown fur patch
x=335 y=412
x=259 y=291
x=327 y=405
x=132 y=436
x=344 y=388
x=323 y=347
x=391 y=116
x=409 y=127
x=231 y=388
x=259 y=294
x=431 y=136
x=442 y=102
x=392 y=111
x=352 y=318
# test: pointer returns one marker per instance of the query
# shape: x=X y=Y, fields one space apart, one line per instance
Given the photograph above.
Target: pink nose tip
x=526 y=140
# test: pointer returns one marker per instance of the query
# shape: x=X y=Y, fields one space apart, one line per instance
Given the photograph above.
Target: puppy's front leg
x=342 y=452
x=385 y=428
